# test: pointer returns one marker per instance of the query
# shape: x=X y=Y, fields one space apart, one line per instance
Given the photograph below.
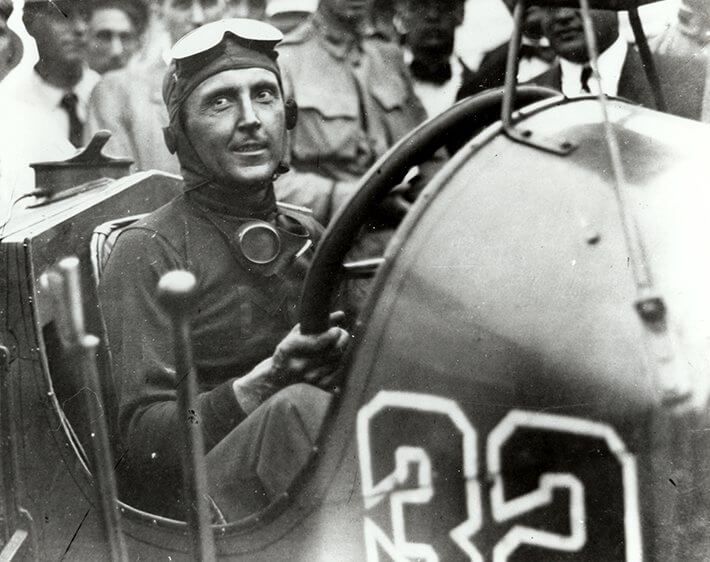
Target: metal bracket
x=673 y=381
x=561 y=147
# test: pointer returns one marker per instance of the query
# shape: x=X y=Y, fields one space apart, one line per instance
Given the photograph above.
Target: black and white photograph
x=355 y=280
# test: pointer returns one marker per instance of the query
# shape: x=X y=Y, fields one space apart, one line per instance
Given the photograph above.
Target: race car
x=528 y=379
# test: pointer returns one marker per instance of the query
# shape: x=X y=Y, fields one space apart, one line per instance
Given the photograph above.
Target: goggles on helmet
x=210 y=35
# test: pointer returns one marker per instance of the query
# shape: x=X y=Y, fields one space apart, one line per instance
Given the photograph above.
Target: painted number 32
x=555 y=487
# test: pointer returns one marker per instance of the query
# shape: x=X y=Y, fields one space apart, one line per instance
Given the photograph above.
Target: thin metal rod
x=8 y=454
x=176 y=291
x=103 y=470
x=71 y=285
x=669 y=371
x=637 y=256
x=512 y=63
x=194 y=469
x=649 y=65
x=82 y=351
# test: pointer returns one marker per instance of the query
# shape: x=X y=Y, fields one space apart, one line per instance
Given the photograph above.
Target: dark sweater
x=240 y=317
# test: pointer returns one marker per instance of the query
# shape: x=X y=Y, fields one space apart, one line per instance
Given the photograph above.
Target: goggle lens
x=210 y=35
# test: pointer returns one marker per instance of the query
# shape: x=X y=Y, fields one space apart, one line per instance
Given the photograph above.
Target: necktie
x=76 y=128
x=584 y=78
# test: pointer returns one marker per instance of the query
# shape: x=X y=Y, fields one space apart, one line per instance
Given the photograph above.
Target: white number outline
x=401 y=550
x=375 y=493
x=505 y=510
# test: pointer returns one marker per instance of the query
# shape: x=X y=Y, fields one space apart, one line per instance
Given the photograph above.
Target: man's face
x=565 y=31
x=235 y=121
x=430 y=25
x=6 y=49
x=253 y=9
x=532 y=22
x=353 y=11
x=182 y=16
x=61 y=37
x=112 y=39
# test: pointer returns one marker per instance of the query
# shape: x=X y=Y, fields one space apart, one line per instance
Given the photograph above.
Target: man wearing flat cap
x=260 y=405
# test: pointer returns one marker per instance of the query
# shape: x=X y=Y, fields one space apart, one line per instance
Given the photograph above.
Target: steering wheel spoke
x=362 y=269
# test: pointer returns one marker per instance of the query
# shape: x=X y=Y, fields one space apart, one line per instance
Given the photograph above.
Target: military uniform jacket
x=355 y=100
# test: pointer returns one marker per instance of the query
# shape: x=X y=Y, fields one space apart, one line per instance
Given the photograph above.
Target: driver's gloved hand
x=300 y=357
x=297 y=358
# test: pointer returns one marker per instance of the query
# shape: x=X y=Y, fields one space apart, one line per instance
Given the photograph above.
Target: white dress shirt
x=531 y=67
x=35 y=127
x=610 y=65
x=29 y=89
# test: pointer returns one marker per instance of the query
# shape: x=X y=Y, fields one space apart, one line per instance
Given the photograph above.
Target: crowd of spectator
x=363 y=72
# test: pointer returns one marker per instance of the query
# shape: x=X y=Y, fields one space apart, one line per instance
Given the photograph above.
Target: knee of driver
x=303 y=404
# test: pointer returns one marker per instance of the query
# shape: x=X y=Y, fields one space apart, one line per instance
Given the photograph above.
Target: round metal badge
x=259 y=241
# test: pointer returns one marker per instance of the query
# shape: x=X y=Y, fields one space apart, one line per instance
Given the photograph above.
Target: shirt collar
x=52 y=95
x=609 y=63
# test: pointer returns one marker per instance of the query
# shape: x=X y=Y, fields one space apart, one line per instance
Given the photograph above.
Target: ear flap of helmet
x=291 y=108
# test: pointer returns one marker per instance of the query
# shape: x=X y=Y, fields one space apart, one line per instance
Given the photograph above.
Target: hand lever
x=177 y=291
x=80 y=350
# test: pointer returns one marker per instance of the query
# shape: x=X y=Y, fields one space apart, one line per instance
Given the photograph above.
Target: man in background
x=10 y=43
x=116 y=28
x=43 y=110
x=129 y=102
x=252 y=9
x=535 y=56
x=57 y=89
x=287 y=15
x=355 y=100
x=428 y=28
x=690 y=37
x=619 y=64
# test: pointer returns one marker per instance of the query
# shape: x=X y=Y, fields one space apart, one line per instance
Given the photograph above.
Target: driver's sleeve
x=141 y=343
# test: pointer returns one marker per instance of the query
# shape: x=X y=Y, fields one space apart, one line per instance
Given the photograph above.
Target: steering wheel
x=452 y=128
